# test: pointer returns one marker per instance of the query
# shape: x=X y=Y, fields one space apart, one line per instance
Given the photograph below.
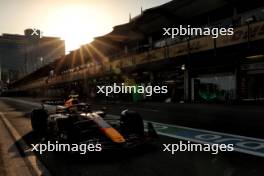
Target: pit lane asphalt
x=145 y=161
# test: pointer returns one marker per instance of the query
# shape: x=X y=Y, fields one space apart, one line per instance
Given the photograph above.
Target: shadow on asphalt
x=107 y=156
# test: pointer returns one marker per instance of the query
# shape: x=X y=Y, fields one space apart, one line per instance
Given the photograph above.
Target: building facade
x=23 y=54
x=195 y=68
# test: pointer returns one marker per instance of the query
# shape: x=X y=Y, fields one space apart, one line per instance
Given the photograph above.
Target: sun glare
x=77 y=25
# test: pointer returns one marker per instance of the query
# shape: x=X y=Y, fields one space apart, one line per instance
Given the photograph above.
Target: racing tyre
x=131 y=123
x=39 y=121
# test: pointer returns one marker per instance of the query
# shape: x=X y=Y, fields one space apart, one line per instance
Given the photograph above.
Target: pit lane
x=147 y=161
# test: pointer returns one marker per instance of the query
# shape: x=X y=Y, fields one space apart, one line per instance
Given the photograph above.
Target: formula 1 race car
x=76 y=122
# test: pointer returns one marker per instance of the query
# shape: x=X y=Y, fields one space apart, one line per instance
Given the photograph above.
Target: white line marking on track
x=203 y=142
x=197 y=129
x=207 y=132
x=33 y=163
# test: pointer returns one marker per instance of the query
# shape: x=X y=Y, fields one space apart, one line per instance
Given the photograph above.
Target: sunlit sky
x=75 y=21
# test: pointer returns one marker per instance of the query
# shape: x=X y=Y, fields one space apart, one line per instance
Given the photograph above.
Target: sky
x=75 y=21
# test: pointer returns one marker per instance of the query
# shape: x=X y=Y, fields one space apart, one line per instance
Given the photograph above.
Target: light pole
x=248 y=21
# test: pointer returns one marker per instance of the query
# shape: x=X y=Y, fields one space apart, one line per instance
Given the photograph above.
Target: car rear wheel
x=131 y=123
x=39 y=121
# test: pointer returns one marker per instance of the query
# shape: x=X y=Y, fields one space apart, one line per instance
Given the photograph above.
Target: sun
x=77 y=25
